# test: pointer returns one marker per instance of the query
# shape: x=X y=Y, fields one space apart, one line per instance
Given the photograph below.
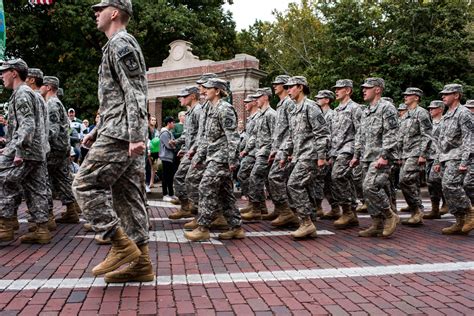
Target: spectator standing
x=167 y=158
x=152 y=153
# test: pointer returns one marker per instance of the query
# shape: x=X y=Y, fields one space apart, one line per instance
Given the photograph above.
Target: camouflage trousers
x=60 y=179
x=323 y=185
x=342 y=185
x=301 y=186
x=216 y=193
x=258 y=179
x=30 y=179
x=243 y=175
x=452 y=182
x=193 y=179
x=277 y=182
x=410 y=182
x=110 y=189
x=179 y=180
x=358 y=178
x=375 y=185
x=433 y=180
x=469 y=183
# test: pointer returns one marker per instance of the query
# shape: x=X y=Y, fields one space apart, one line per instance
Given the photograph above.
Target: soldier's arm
x=467 y=130
x=251 y=142
x=426 y=130
x=228 y=121
x=320 y=130
x=24 y=108
x=54 y=121
x=390 y=133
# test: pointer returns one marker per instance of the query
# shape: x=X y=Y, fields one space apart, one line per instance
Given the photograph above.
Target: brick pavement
x=418 y=271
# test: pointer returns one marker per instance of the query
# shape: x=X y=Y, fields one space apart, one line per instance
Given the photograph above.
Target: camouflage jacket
x=58 y=128
x=123 y=89
x=415 y=136
x=41 y=101
x=262 y=136
x=455 y=136
x=250 y=130
x=191 y=128
x=433 y=148
x=26 y=131
x=199 y=144
x=309 y=133
x=221 y=139
x=328 y=116
x=378 y=132
x=282 y=125
x=344 y=126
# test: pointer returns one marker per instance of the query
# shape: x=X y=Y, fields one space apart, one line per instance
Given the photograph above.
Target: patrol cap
x=387 y=99
x=216 y=83
x=282 y=79
x=35 y=73
x=436 y=104
x=451 y=88
x=373 y=82
x=293 y=81
x=402 y=107
x=413 y=91
x=188 y=90
x=263 y=91
x=205 y=77
x=469 y=104
x=249 y=99
x=342 y=83
x=17 y=64
x=51 y=81
x=125 y=5
x=325 y=94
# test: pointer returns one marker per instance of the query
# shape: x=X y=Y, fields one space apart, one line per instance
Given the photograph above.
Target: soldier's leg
x=181 y=191
x=257 y=198
x=324 y=185
x=410 y=186
x=193 y=178
x=433 y=180
x=469 y=184
x=244 y=173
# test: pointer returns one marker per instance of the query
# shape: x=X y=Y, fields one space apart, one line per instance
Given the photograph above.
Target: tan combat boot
x=416 y=218
x=140 y=270
x=444 y=208
x=193 y=207
x=276 y=211
x=406 y=209
x=40 y=236
x=255 y=213
x=469 y=221
x=362 y=208
x=286 y=218
x=306 y=229
x=374 y=230
x=234 y=233
x=191 y=225
x=6 y=230
x=101 y=241
x=220 y=223
x=71 y=216
x=201 y=233
x=456 y=228
x=123 y=251
x=51 y=224
x=434 y=214
x=183 y=212
x=334 y=213
x=390 y=223
x=319 y=208
x=13 y=222
x=348 y=218
x=247 y=208
x=176 y=201
x=87 y=227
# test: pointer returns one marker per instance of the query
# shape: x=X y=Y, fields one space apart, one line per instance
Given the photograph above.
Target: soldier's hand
x=243 y=154
x=17 y=161
x=190 y=154
x=354 y=162
x=198 y=165
x=381 y=162
x=282 y=163
x=136 y=149
x=3 y=140
x=437 y=168
x=321 y=163
x=421 y=161
x=463 y=168
x=180 y=153
x=271 y=157
x=88 y=140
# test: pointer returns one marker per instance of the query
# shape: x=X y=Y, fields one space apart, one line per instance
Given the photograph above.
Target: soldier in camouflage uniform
x=307 y=145
x=433 y=178
x=188 y=97
x=110 y=185
x=415 y=138
x=453 y=158
x=60 y=179
x=344 y=126
x=261 y=139
x=218 y=150
x=376 y=146
x=22 y=160
x=469 y=180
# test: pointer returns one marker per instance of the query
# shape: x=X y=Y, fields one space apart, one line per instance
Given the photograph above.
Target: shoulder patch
x=426 y=122
x=392 y=121
x=123 y=51
x=320 y=119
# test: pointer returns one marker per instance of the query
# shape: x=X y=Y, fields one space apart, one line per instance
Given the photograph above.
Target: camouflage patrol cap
x=469 y=104
x=325 y=94
x=187 y=91
x=436 y=104
x=451 y=88
x=402 y=107
x=413 y=91
x=282 y=79
x=216 y=83
x=342 y=83
x=249 y=99
x=51 y=81
x=125 y=5
x=205 y=77
x=387 y=99
x=293 y=81
x=17 y=64
x=262 y=91
x=373 y=82
x=35 y=73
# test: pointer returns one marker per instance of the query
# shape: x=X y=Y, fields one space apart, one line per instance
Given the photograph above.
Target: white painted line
x=162 y=204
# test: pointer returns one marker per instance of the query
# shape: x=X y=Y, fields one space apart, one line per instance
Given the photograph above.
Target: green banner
x=3 y=33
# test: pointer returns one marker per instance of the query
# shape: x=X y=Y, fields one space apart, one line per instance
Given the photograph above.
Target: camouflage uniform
x=433 y=178
x=469 y=179
x=248 y=161
x=110 y=185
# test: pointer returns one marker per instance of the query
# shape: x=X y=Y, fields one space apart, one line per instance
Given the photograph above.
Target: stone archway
x=182 y=68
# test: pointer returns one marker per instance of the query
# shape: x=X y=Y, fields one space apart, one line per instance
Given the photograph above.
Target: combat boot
x=191 y=225
x=456 y=228
x=306 y=229
x=176 y=201
x=99 y=240
x=444 y=208
x=334 y=213
x=434 y=214
x=286 y=218
x=194 y=209
x=40 y=236
x=234 y=233
x=391 y=222
x=71 y=215
x=6 y=230
x=362 y=208
x=276 y=211
x=140 y=270
x=13 y=222
x=469 y=221
x=319 y=208
x=220 y=223
x=255 y=213
x=374 y=230
x=183 y=212
x=51 y=224
x=87 y=227
x=406 y=209
x=416 y=218
x=201 y=233
x=348 y=218
x=123 y=251
x=247 y=208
